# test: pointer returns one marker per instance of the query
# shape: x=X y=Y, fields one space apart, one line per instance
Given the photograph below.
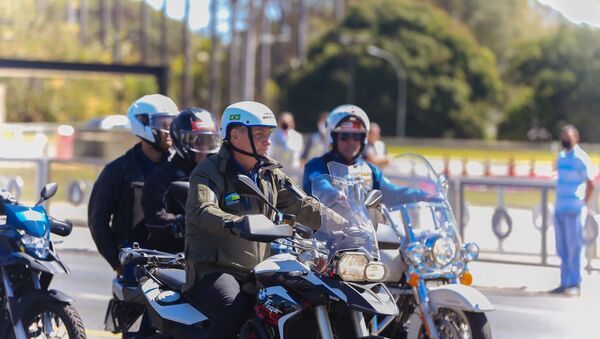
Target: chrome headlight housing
x=443 y=251
x=470 y=251
x=356 y=266
x=415 y=252
x=36 y=246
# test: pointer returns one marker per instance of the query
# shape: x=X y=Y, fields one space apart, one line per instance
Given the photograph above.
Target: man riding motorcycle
x=347 y=128
x=195 y=136
x=217 y=261
x=115 y=220
x=111 y=207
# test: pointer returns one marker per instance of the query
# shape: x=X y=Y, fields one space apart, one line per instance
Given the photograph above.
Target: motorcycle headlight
x=415 y=252
x=37 y=246
x=356 y=267
x=375 y=271
x=443 y=251
x=352 y=266
x=470 y=251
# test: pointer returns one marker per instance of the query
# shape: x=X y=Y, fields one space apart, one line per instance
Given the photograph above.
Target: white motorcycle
x=429 y=275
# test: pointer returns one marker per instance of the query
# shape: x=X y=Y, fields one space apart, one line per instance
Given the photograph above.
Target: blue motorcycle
x=28 y=262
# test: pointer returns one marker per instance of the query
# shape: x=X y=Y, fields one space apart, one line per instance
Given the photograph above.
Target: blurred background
x=480 y=87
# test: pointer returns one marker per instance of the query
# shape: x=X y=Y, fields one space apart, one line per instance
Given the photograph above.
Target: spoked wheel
x=453 y=324
x=53 y=320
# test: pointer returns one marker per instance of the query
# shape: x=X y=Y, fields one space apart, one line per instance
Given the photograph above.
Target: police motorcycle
x=429 y=275
x=28 y=261
x=321 y=288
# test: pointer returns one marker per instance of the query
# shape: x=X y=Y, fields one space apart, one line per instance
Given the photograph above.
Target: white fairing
x=181 y=313
x=460 y=297
x=287 y=263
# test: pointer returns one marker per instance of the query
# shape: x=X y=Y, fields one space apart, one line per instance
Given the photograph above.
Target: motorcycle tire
x=479 y=327
x=62 y=313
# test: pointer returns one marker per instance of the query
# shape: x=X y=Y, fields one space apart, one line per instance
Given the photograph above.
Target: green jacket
x=212 y=200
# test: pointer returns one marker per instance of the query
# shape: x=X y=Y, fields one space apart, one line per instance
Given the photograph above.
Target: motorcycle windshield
x=32 y=220
x=412 y=170
x=432 y=214
x=345 y=224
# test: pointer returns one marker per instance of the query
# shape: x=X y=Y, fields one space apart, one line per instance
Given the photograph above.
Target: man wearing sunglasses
x=347 y=128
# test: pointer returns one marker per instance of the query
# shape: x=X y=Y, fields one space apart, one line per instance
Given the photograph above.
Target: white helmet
x=149 y=114
x=361 y=123
x=246 y=113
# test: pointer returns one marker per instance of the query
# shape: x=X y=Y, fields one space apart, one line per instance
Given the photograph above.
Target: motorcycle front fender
x=460 y=297
x=20 y=305
x=49 y=266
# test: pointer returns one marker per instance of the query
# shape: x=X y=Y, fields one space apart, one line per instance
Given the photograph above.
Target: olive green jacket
x=213 y=199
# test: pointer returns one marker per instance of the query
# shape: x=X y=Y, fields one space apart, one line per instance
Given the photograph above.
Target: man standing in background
x=574 y=189
x=286 y=143
x=375 y=151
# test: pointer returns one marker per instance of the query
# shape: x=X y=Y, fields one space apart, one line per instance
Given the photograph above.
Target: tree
x=559 y=75
x=452 y=82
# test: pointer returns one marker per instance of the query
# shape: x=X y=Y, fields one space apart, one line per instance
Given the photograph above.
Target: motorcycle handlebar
x=60 y=227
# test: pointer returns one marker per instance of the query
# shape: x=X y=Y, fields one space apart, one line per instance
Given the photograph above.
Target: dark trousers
x=220 y=297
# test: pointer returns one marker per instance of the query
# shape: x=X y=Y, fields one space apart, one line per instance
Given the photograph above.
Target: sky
x=577 y=11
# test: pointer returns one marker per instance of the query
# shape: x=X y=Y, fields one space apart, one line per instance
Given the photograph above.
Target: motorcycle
x=429 y=279
x=328 y=277
x=28 y=262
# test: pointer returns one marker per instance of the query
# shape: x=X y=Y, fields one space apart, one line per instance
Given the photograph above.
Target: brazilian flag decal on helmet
x=234 y=117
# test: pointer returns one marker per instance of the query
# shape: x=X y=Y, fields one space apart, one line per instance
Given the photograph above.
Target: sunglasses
x=353 y=136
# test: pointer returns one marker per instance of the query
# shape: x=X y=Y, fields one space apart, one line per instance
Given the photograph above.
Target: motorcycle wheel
x=64 y=319
x=453 y=324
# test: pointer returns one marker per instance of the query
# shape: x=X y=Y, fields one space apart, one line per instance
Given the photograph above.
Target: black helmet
x=194 y=130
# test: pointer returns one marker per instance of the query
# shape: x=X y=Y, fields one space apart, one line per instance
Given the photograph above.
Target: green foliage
x=452 y=83
x=561 y=73
x=40 y=30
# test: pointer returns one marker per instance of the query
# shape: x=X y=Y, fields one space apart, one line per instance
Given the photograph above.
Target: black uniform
x=162 y=223
x=113 y=198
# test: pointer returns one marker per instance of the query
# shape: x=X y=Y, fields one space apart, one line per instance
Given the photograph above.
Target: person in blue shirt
x=347 y=128
x=574 y=188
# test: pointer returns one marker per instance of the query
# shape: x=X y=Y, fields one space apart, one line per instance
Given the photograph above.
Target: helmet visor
x=200 y=142
x=161 y=122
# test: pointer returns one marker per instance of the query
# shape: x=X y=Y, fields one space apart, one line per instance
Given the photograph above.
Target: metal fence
x=510 y=218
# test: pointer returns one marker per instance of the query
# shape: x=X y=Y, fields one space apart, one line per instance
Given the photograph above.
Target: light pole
x=401 y=74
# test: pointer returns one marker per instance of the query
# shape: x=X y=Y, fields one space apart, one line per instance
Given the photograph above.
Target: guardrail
x=516 y=200
x=508 y=217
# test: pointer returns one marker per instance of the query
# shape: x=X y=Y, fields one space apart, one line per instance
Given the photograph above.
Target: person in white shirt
x=375 y=152
x=318 y=142
x=286 y=143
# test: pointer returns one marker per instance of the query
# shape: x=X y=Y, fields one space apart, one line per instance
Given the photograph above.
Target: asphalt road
x=519 y=313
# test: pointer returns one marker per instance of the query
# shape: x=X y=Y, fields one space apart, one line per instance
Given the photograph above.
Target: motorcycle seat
x=172 y=277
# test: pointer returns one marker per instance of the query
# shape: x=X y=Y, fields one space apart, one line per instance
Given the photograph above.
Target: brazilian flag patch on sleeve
x=232 y=199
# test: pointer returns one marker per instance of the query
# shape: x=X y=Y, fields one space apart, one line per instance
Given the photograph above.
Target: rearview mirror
x=47 y=192
x=373 y=198
x=177 y=193
x=247 y=187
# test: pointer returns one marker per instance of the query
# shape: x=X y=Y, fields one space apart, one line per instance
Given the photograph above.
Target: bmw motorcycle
x=322 y=288
x=28 y=262
x=429 y=275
